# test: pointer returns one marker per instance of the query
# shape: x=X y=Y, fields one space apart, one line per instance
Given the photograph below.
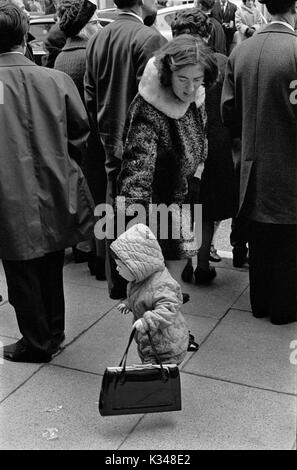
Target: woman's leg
x=207 y=235
x=176 y=267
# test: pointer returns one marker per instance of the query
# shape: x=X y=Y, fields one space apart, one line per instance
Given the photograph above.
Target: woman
x=165 y=140
x=217 y=189
x=248 y=19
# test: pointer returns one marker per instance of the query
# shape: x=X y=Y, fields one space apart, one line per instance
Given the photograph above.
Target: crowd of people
x=118 y=112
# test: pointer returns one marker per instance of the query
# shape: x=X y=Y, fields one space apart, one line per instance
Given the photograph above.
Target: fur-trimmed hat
x=76 y=16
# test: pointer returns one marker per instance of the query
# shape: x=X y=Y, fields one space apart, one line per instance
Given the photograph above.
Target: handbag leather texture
x=149 y=388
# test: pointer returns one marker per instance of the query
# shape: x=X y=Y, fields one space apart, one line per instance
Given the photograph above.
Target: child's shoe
x=192 y=346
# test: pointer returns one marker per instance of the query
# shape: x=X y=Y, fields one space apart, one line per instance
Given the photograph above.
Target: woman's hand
x=139 y=326
x=123 y=309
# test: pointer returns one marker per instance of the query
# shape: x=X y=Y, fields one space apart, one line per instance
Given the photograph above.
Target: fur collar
x=162 y=98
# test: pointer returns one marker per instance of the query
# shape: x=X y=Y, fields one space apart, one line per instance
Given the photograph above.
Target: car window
x=169 y=18
x=40 y=31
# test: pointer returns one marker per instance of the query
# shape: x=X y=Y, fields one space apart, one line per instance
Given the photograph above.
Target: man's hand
x=139 y=326
x=123 y=309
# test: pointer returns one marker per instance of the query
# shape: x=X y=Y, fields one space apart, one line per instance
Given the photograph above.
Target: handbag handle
x=125 y=355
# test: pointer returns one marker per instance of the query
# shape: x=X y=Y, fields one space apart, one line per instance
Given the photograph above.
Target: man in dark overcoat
x=259 y=104
x=45 y=203
x=116 y=58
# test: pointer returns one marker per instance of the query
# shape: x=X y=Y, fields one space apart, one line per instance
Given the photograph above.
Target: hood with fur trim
x=140 y=251
x=163 y=98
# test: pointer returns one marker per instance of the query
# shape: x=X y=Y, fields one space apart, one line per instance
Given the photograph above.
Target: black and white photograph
x=148 y=227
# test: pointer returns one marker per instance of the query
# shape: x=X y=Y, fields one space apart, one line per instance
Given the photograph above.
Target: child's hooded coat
x=154 y=296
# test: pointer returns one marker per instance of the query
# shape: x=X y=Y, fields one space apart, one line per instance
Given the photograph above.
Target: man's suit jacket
x=259 y=104
x=225 y=17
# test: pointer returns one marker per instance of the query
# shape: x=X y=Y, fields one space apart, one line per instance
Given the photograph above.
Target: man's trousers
x=35 y=290
x=272 y=265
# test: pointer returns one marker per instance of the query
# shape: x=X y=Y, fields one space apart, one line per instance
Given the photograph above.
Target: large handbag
x=150 y=388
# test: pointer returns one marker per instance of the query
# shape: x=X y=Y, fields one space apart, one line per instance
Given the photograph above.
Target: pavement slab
x=219 y=416
x=13 y=374
x=30 y=412
x=213 y=300
x=104 y=344
x=243 y=302
x=250 y=351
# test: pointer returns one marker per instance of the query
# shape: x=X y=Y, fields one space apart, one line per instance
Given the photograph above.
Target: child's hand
x=139 y=326
x=123 y=309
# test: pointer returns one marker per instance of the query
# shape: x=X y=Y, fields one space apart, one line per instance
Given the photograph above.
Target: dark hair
x=14 y=26
x=276 y=7
x=63 y=5
x=182 y=51
x=208 y=4
x=192 y=21
x=125 y=3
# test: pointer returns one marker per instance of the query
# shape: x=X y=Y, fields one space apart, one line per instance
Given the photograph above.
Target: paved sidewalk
x=239 y=391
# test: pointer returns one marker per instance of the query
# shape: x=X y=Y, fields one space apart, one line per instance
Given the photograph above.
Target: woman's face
x=249 y=3
x=186 y=81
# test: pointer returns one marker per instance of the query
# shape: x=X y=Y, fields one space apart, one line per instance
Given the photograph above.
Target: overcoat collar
x=276 y=28
x=163 y=98
x=14 y=60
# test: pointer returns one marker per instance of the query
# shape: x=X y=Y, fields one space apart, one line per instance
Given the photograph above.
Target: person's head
x=184 y=64
x=280 y=7
x=137 y=253
x=75 y=15
x=145 y=7
x=192 y=21
x=248 y=3
x=123 y=270
x=205 y=5
x=14 y=27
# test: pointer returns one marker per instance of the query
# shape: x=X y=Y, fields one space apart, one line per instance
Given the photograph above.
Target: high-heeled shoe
x=204 y=276
x=187 y=274
x=213 y=255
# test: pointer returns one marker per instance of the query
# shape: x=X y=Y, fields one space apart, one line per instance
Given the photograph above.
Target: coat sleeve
x=239 y=22
x=77 y=122
x=139 y=157
x=90 y=87
x=166 y=308
x=230 y=115
x=150 y=46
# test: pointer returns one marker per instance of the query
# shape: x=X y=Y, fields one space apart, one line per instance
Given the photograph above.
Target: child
x=153 y=296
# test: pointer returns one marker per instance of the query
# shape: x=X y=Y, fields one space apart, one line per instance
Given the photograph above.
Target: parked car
x=165 y=16
x=39 y=28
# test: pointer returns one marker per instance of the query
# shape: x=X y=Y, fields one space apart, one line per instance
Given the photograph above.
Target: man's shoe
x=204 y=276
x=283 y=320
x=79 y=256
x=213 y=255
x=97 y=267
x=19 y=352
x=239 y=256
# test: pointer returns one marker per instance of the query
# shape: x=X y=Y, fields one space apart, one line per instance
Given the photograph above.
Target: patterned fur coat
x=154 y=296
x=164 y=142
